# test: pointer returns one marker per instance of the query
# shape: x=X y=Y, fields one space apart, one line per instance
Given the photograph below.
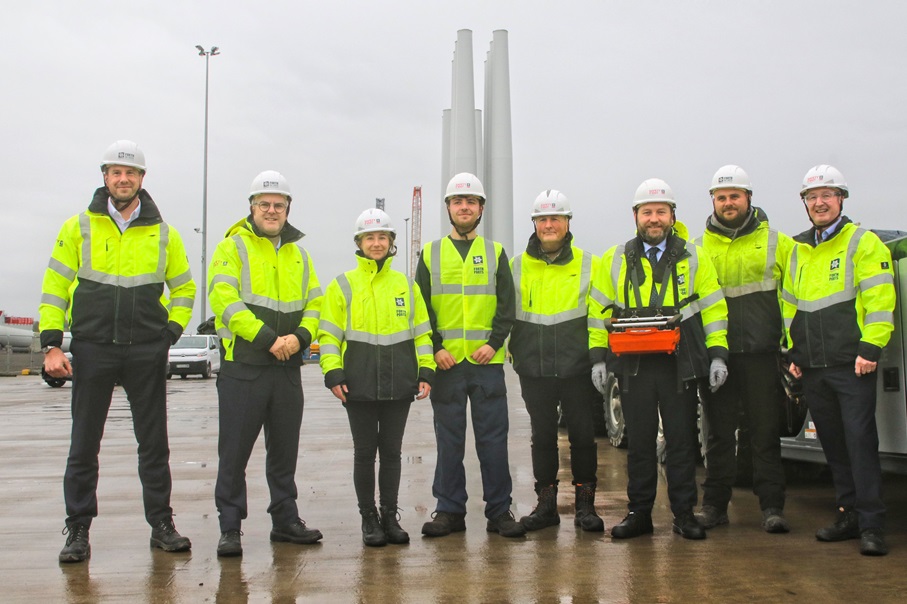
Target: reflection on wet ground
x=736 y=563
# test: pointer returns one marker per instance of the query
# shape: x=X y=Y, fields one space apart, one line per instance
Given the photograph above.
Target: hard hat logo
x=463 y=185
x=813 y=179
x=124 y=155
x=724 y=179
x=656 y=191
x=270 y=184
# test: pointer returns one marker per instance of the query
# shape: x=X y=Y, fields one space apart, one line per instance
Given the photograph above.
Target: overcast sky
x=345 y=99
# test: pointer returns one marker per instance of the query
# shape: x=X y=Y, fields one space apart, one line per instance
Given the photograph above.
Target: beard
x=652 y=236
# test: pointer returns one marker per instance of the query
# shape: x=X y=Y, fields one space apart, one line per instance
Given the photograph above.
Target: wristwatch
x=47 y=349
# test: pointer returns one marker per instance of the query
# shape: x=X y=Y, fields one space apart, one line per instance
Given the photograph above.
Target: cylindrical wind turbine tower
x=498 y=144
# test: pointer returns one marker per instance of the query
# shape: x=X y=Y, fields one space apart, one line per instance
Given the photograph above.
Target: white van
x=194 y=355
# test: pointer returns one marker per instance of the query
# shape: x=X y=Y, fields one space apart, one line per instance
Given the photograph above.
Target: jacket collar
x=534 y=249
x=809 y=236
x=754 y=219
x=150 y=213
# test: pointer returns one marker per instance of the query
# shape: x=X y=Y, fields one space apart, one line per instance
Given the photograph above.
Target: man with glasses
x=106 y=278
x=266 y=301
x=838 y=306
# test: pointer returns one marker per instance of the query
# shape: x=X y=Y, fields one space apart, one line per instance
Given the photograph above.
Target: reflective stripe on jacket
x=110 y=286
x=374 y=334
x=750 y=267
x=550 y=337
x=703 y=333
x=259 y=293
x=838 y=298
x=463 y=294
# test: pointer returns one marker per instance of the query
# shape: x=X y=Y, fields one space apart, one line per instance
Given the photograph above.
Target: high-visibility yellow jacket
x=624 y=270
x=259 y=293
x=550 y=336
x=838 y=298
x=464 y=296
x=109 y=286
x=750 y=263
x=374 y=334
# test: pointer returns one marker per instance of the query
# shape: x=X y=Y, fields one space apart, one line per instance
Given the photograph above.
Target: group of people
x=664 y=316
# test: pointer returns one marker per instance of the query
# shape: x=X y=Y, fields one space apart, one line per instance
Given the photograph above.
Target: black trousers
x=577 y=397
x=273 y=400
x=751 y=389
x=377 y=428
x=843 y=406
x=142 y=371
x=655 y=389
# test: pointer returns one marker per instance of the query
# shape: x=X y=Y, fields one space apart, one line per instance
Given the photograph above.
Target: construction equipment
x=644 y=335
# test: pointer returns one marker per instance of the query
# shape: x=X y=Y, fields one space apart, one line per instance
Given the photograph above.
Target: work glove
x=717 y=374
x=600 y=376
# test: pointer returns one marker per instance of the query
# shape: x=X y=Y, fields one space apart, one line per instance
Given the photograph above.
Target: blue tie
x=652 y=255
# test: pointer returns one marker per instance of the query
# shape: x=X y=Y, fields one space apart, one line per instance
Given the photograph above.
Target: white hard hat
x=374 y=220
x=653 y=190
x=270 y=181
x=465 y=183
x=824 y=175
x=123 y=153
x=731 y=177
x=551 y=203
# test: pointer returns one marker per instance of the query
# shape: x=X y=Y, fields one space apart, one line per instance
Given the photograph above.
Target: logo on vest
x=835 y=264
x=401 y=306
x=477 y=268
x=681 y=279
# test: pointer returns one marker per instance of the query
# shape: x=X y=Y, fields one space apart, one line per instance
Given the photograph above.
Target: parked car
x=194 y=355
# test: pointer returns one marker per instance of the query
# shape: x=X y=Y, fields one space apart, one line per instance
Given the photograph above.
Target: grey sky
x=345 y=99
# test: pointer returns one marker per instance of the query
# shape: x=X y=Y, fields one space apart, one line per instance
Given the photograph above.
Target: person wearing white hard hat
x=468 y=290
x=838 y=306
x=750 y=258
x=376 y=356
x=119 y=276
x=550 y=348
x=266 y=301
x=668 y=287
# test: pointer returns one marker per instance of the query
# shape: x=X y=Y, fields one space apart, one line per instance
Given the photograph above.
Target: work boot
x=634 y=524
x=545 y=512
x=505 y=526
x=390 y=522
x=773 y=521
x=585 y=517
x=710 y=517
x=372 y=533
x=444 y=523
x=846 y=526
x=295 y=532
x=687 y=526
x=872 y=542
x=230 y=544
x=77 y=548
x=165 y=536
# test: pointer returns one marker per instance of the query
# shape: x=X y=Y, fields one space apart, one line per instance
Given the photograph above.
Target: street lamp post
x=406 y=220
x=204 y=232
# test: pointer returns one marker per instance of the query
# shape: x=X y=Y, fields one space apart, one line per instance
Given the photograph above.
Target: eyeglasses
x=279 y=207
x=825 y=196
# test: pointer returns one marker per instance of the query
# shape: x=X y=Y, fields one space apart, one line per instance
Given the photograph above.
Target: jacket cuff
x=265 y=338
x=870 y=352
x=174 y=331
x=495 y=343
x=52 y=337
x=334 y=377
x=426 y=375
x=305 y=338
x=598 y=355
x=718 y=352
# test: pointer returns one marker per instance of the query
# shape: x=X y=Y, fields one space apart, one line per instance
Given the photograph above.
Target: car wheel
x=614 y=415
x=207 y=374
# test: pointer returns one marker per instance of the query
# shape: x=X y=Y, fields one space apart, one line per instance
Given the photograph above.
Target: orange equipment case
x=644 y=335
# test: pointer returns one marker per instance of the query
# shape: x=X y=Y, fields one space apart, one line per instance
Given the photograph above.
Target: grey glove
x=717 y=374
x=600 y=376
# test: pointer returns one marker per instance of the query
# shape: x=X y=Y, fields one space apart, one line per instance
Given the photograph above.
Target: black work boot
x=545 y=512
x=165 y=536
x=230 y=544
x=444 y=523
x=872 y=542
x=390 y=522
x=686 y=525
x=505 y=525
x=77 y=548
x=585 y=517
x=372 y=533
x=846 y=526
x=295 y=532
x=634 y=524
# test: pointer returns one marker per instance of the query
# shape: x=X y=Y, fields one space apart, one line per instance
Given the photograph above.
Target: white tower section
x=483 y=148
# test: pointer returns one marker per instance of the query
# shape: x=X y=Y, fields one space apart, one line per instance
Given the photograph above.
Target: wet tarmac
x=737 y=563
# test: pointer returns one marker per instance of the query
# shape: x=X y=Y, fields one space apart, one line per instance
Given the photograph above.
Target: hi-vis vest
x=110 y=285
x=463 y=294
